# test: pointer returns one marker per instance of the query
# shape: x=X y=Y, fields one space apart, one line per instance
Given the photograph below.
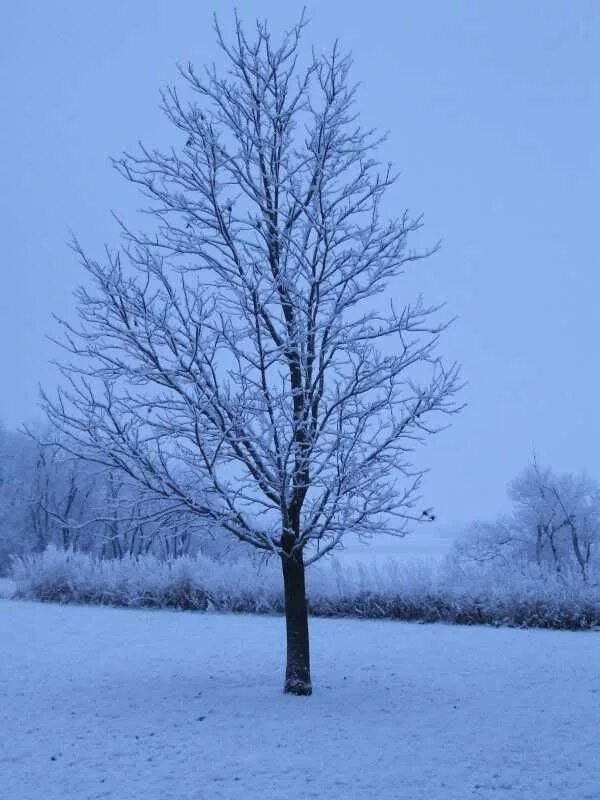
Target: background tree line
x=48 y=497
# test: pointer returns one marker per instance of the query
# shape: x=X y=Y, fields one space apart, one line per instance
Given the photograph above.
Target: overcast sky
x=493 y=113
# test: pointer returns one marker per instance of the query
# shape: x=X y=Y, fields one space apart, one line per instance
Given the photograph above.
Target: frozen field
x=121 y=705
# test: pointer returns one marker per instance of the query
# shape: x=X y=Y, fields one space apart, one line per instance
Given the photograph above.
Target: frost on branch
x=248 y=355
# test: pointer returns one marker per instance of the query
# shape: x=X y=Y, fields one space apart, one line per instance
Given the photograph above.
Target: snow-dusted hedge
x=448 y=593
x=146 y=581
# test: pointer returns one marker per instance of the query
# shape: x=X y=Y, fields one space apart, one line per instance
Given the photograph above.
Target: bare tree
x=49 y=497
x=44 y=497
x=241 y=358
x=555 y=523
x=564 y=511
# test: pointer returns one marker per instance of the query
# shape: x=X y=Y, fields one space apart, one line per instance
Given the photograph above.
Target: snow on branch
x=239 y=356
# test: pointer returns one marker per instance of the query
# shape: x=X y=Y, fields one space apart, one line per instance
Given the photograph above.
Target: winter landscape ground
x=126 y=704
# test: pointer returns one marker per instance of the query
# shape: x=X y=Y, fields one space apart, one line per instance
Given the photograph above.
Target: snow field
x=125 y=704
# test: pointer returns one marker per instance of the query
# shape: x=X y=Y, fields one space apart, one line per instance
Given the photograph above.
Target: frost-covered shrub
x=146 y=581
x=522 y=595
x=451 y=592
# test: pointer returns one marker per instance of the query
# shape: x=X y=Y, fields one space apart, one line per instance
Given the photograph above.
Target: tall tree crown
x=240 y=356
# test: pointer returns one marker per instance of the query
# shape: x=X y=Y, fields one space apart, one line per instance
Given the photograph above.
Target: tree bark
x=297 y=673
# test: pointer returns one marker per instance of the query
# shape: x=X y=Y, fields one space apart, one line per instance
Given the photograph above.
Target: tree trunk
x=577 y=549
x=297 y=673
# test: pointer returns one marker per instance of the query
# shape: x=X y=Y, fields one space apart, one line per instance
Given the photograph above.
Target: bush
x=448 y=593
x=144 y=581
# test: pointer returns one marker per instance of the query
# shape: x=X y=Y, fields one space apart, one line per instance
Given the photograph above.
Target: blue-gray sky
x=493 y=110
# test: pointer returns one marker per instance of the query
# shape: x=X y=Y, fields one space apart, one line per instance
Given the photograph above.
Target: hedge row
x=449 y=593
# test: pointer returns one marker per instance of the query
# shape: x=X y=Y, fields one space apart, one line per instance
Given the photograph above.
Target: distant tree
x=44 y=497
x=248 y=358
x=555 y=523
x=12 y=496
x=50 y=497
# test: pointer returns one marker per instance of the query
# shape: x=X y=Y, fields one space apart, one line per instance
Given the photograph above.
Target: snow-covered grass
x=126 y=704
x=432 y=593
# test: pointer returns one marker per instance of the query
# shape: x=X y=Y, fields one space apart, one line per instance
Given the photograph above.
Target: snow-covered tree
x=554 y=523
x=13 y=495
x=248 y=356
x=44 y=497
x=50 y=497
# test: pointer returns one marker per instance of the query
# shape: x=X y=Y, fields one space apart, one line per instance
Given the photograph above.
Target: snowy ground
x=121 y=705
